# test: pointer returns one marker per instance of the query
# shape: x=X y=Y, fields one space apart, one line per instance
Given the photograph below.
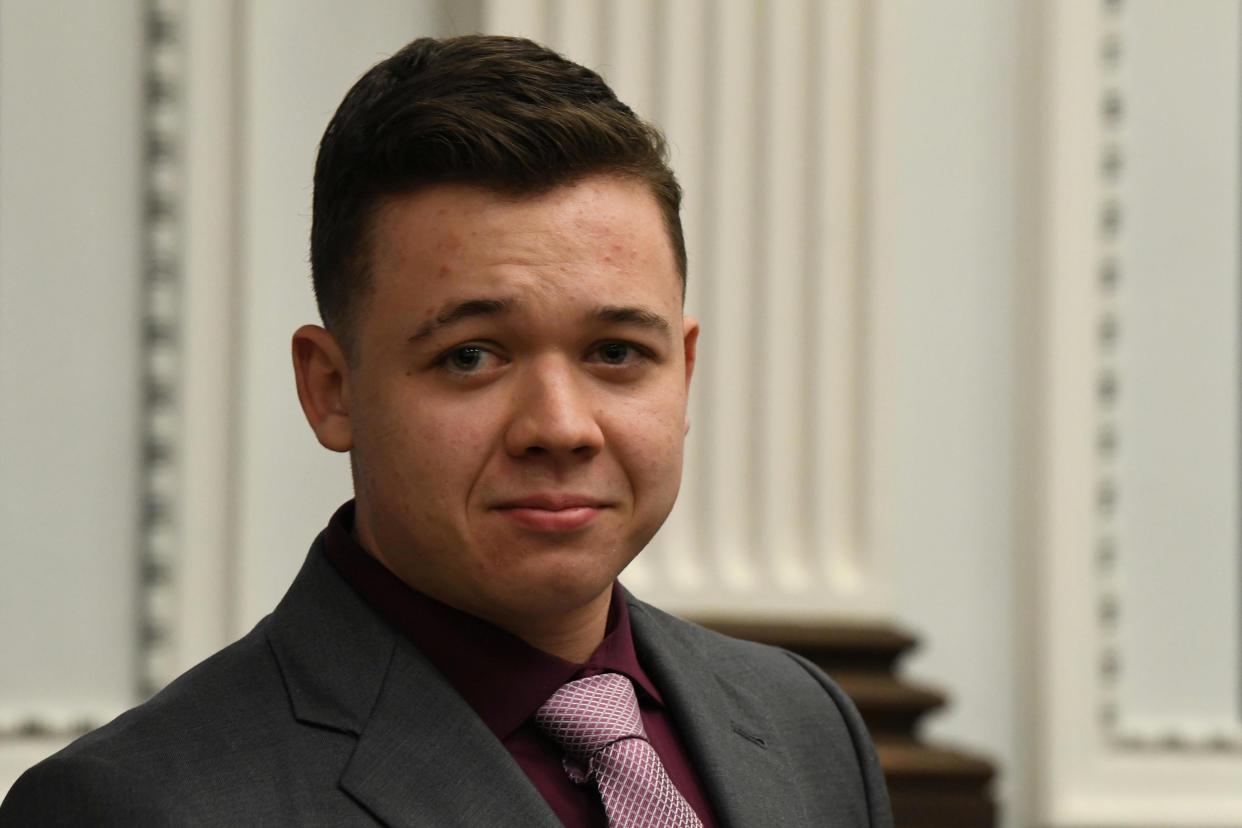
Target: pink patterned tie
x=596 y=721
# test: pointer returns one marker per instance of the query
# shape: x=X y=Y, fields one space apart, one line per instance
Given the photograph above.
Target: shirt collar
x=504 y=679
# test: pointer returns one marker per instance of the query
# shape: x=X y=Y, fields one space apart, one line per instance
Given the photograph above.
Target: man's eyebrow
x=457 y=311
x=625 y=315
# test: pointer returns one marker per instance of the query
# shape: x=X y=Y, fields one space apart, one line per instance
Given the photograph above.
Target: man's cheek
x=450 y=446
x=653 y=459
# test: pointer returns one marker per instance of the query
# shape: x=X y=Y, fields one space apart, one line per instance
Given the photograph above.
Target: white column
x=789 y=338
x=683 y=91
x=761 y=105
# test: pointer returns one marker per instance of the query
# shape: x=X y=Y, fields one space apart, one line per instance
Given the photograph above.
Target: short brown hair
x=499 y=112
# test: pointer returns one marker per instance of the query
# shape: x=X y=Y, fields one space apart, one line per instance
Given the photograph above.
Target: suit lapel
x=725 y=727
x=421 y=750
x=425 y=752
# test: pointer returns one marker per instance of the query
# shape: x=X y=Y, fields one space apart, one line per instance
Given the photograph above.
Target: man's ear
x=690 y=334
x=323 y=386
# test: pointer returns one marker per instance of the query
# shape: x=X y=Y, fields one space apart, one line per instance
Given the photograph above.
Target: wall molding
x=155 y=502
x=1106 y=382
x=1094 y=762
x=1109 y=383
x=162 y=291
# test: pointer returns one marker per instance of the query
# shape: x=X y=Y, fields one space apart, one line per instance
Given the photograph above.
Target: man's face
x=517 y=406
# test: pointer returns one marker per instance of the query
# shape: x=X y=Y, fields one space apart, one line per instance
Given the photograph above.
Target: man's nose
x=553 y=413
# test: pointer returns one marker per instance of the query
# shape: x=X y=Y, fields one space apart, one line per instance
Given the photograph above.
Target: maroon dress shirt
x=505 y=680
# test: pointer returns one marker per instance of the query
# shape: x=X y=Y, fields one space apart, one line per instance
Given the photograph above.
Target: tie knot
x=587 y=715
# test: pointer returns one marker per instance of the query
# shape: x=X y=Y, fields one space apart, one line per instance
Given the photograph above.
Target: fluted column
x=761 y=106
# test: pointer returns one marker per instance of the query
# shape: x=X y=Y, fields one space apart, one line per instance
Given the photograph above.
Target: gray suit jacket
x=325 y=715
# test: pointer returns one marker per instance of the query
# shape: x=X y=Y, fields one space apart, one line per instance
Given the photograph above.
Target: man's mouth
x=552 y=512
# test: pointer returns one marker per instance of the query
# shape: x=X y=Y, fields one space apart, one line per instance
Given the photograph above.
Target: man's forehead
x=452 y=234
x=467 y=218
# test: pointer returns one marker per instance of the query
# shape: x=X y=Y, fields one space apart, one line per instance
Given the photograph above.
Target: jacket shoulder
x=208 y=708
x=815 y=721
x=143 y=767
x=79 y=788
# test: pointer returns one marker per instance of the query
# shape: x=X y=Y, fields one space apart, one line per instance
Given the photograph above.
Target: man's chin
x=549 y=600
x=558 y=597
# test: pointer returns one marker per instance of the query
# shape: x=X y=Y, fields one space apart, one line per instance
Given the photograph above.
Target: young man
x=498 y=260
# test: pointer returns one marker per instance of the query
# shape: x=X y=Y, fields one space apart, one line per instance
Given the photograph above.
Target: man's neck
x=573 y=636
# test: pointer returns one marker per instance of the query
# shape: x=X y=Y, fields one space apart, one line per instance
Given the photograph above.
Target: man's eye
x=466 y=359
x=616 y=353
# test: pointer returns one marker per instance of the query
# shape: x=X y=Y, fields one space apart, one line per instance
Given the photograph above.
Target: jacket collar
x=421 y=749
x=725 y=726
